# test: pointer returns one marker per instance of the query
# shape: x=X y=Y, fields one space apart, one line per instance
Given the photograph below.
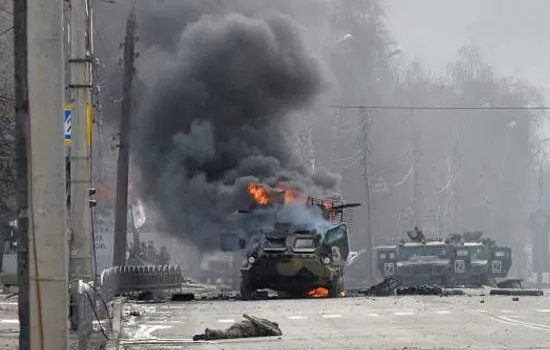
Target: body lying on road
x=249 y=328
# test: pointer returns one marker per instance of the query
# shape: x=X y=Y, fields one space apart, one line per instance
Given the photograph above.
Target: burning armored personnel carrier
x=298 y=248
x=459 y=260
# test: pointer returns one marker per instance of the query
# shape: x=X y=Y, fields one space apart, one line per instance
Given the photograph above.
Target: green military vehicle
x=478 y=261
x=297 y=260
x=418 y=261
x=465 y=259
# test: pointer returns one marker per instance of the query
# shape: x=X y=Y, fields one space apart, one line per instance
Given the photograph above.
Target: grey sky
x=513 y=35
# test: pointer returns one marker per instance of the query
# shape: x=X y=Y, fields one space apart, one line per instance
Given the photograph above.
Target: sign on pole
x=89 y=124
x=67 y=121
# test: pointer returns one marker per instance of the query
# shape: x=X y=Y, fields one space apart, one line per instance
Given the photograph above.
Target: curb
x=117 y=305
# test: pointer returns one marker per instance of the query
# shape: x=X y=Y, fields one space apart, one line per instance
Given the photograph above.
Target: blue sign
x=67 y=121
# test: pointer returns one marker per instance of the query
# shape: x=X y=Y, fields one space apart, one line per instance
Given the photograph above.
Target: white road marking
x=509 y=320
x=144 y=331
x=227 y=320
x=10 y=320
x=403 y=313
x=332 y=316
x=506 y=311
x=374 y=315
x=443 y=312
x=7 y=303
x=543 y=310
x=297 y=317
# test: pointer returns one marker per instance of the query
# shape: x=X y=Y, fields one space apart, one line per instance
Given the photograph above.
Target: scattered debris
x=218 y=296
x=249 y=328
x=385 y=288
x=134 y=313
x=517 y=292
x=145 y=296
x=392 y=286
x=182 y=297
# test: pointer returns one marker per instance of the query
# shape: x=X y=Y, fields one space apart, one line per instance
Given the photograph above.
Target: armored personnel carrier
x=465 y=259
x=298 y=262
x=298 y=258
x=418 y=261
x=478 y=261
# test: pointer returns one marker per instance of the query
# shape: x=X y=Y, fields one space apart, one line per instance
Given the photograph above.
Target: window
x=275 y=243
x=304 y=243
x=462 y=252
x=336 y=236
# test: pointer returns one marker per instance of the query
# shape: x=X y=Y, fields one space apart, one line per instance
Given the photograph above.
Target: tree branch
x=5 y=31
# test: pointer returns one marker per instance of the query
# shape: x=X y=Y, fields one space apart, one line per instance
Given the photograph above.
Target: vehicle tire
x=484 y=280
x=247 y=291
x=336 y=287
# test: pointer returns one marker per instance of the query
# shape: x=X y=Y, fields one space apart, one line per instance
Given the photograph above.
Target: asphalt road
x=475 y=322
x=9 y=324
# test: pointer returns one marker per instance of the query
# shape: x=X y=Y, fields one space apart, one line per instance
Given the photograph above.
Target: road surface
x=475 y=322
x=9 y=324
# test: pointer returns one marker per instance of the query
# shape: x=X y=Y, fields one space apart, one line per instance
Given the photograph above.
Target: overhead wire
x=443 y=108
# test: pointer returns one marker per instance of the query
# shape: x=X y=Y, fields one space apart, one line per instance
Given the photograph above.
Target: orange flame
x=260 y=194
x=318 y=292
x=264 y=195
x=292 y=196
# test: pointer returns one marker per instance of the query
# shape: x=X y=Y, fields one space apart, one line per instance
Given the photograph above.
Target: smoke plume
x=220 y=116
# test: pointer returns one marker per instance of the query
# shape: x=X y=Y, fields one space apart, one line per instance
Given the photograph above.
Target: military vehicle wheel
x=336 y=287
x=247 y=291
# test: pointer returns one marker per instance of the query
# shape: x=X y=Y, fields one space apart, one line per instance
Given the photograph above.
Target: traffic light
x=92 y=201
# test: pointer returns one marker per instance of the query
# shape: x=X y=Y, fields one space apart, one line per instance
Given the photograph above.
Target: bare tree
x=7 y=122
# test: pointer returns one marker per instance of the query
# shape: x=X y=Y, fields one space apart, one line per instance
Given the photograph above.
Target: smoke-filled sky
x=512 y=35
x=193 y=126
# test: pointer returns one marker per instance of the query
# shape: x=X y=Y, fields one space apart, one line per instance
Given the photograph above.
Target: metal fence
x=93 y=305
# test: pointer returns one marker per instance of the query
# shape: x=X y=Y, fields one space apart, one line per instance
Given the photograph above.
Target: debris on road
x=182 y=297
x=392 y=286
x=383 y=289
x=249 y=328
x=517 y=292
x=427 y=289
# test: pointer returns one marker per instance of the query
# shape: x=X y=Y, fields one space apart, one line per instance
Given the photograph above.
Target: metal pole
x=121 y=206
x=417 y=195
x=80 y=182
x=370 y=246
x=47 y=238
x=21 y=149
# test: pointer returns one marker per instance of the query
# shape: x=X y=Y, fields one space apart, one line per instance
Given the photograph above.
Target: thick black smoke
x=220 y=116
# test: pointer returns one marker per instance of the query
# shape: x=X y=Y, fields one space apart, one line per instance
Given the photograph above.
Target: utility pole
x=80 y=168
x=364 y=162
x=39 y=77
x=417 y=194
x=121 y=206
x=22 y=170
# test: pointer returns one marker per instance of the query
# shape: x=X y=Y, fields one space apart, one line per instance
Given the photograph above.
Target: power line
x=409 y=108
